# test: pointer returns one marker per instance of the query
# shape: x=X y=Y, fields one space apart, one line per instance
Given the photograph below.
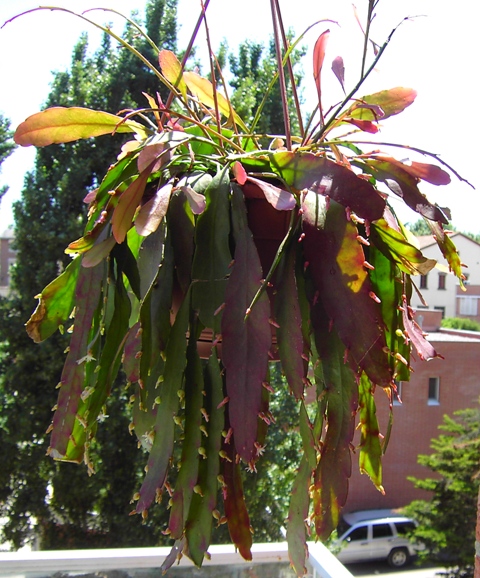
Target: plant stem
x=352 y=93
x=212 y=68
x=290 y=71
x=281 y=75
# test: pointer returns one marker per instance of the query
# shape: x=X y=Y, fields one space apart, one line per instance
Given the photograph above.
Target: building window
x=433 y=390
x=442 y=281
x=442 y=309
x=468 y=306
x=397 y=397
x=423 y=282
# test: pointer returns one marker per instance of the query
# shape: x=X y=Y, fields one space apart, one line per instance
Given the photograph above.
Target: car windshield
x=343 y=526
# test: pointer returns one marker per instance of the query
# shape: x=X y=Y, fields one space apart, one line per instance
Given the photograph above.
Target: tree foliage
x=253 y=68
x=74 y=510
x=50 y=213
x=6 y=145
x=447 y=521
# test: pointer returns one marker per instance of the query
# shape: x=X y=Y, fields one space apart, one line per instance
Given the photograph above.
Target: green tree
x=49 y=215
x=6 y=146
x=447 y=521
x=252 y=69
x=36 y=491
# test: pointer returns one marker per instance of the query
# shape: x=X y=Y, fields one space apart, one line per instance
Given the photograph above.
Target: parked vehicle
x=377 y=538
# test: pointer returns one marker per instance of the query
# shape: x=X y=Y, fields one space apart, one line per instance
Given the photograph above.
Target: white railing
x=322 y=562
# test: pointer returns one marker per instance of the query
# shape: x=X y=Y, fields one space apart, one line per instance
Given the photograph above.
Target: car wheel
x=398 y=557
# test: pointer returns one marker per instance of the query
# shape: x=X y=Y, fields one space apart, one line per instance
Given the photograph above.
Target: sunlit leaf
x=370 y=450
x=423 y=347
x=98 y=252
x=279 y=198
x=365 y=125
x=172 y=70
x=395 y=247
x=404 y=185
x=60 y=125
x=343 y=286
x=306 y=170
x=152 y=212
x=425 y=171
x=56 y=302
x=196 y=201
x=388 y=284
x=318 y=59
x=158 y=152
x=239 y=173
x=203 y=89
x=338 y=69
x=391 y=102
x=127 y=205
x=449 y=251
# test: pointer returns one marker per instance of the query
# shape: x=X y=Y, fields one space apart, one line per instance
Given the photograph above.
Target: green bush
x=461 y=323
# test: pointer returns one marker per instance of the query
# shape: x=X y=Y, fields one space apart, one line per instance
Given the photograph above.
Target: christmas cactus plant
x=208 y=254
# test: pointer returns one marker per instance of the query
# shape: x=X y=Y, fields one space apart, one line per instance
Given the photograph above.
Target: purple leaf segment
x=338 y=69
x=87 y=295
x=344 y=288
x=246 y=342
x=306 y=170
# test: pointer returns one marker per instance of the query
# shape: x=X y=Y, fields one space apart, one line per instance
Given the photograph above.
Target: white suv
x=386 y=538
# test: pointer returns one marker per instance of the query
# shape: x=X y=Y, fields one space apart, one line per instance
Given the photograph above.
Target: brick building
x=7 y=259
x=437 y=387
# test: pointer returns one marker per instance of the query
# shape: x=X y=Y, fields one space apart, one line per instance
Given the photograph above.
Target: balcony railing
x=134 y=561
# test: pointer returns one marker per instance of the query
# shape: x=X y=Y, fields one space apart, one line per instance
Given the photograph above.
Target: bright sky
x=435 y=53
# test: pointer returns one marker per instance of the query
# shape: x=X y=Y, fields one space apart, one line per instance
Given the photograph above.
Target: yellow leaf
x=202 y=89
x=60 y=125
x=172 y=70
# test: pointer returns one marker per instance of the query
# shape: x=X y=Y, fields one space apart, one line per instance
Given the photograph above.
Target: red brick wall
x=416 y=423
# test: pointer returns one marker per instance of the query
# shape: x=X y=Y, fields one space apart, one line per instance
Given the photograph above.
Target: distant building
x=7 y=259
x=441 y=289
x=436 y=388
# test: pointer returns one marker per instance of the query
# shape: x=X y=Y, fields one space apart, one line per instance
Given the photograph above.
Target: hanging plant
x=200 y=242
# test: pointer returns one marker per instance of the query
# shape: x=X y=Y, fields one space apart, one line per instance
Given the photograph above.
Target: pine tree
x=6 y=146
x=71 y=509
x=64 y=506
x=447 y=521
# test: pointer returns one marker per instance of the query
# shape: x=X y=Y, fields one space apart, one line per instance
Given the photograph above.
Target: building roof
x=428 y=240
x=7 y=234
x=460 y=337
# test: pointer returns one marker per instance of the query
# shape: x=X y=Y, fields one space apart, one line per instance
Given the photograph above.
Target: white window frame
x=468 y=305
